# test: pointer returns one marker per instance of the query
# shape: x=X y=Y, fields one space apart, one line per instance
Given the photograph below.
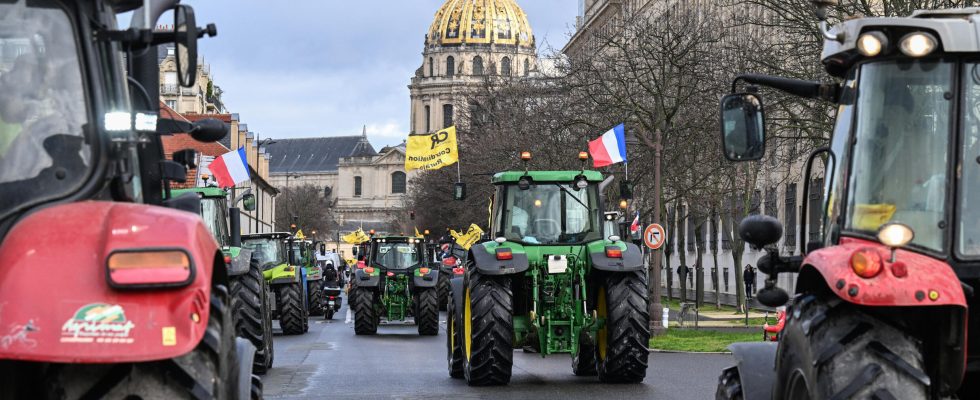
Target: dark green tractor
x=286 y=279
x=554 y=280
x=393 y=284
x=250 y=295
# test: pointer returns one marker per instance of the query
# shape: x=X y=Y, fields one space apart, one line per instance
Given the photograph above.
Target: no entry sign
x=654 y=236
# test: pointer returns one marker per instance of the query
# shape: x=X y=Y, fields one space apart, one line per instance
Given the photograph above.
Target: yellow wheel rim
x=601 y=336
x=467 y=324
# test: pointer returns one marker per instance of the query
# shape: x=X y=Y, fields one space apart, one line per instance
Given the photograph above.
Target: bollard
x=666 y=318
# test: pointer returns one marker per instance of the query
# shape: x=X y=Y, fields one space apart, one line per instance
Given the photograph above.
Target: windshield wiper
x=572 y=195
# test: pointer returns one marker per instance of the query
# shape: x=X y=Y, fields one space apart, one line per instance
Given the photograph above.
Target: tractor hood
x=57 y=306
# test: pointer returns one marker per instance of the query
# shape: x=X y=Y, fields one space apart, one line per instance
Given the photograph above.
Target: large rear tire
x=622 y=343
x=729 y=385
x=250 y=303
x=443 y=288
x=830 y=349
x=365 y=314
x=210 y=371
x=428 y=312
x=454 y=341
x=316 y=298
x=488 y=331
x=292 y=311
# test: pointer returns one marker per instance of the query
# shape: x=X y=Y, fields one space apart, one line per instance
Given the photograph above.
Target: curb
x=686 y=352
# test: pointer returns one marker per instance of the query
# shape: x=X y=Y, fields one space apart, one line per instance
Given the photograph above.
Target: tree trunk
x=717 y=273
x=699 y=265
x=682 y=256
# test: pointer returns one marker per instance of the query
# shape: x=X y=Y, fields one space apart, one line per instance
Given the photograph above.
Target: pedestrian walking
x=748 y=275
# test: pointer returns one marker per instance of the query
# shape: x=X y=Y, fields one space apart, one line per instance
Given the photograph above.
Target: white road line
x=349 y=315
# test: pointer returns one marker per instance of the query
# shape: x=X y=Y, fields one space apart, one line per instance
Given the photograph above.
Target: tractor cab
x=399 y=255
x=547 y=207
x=267 y=248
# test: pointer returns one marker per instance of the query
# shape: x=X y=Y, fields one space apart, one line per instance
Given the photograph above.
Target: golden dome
x=480 y=22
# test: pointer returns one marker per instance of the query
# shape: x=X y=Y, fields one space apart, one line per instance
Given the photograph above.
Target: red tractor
x=109 y=288
x=883 y=297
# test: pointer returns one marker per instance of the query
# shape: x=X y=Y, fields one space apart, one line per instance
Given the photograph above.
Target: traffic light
x=411 y=215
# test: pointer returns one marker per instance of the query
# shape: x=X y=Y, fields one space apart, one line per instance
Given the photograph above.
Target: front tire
x=250 y=303
x=365 y=314
x=729 y=385
x=454 y=341
x=292 y=311
x=443 y=288
x=622 y=344
x=830 y=349
x=583 y=362
x=428 y=312
x=316 y=298
x=488 y=331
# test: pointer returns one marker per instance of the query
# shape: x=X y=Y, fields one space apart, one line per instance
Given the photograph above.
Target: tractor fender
x=78 y=317
x=241 y=259
x=428 y=280
x=632 y=258
x=486 y=262
x=922 y=274
x=280 y=274
x=756 y=362
x=246 y=354
x=363 y=279
x=456 y=290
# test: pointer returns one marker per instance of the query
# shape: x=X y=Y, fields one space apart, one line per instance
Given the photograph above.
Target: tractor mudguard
x=632 y=257
x=456 y=290
x=240 y=260
x=428 y=280
x=485 y=259
x=922 y=275
x=756 y=362
x=281 y=274
x=78 y=317
x=363 y=279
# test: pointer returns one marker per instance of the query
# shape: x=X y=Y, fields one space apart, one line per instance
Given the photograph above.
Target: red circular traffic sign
x=654 y=236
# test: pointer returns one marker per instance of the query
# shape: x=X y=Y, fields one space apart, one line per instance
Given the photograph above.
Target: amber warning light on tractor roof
x=526 y=155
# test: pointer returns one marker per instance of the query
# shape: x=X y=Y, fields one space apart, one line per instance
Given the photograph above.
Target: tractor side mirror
x=248 y=202
x=208 y=130
x=185 y=157
x=760 y=230
x=185 y=30
x=743 y=128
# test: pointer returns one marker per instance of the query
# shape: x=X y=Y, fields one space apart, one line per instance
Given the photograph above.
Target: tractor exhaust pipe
x=235 y=214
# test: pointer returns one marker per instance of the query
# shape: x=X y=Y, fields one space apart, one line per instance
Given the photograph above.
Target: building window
x=447 y=115
x=398 y=182
x=527 y=67
x=428 y=119
x=815 y=219
x=505 y=66
x=477 y=65
x=771 y=208
x=357 y=186
x=790 y=231
x=172 y=104
x=450 y=66
x=431 y=67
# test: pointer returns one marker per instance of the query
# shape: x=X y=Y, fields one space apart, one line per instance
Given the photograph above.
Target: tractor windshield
x=43 y=154
x=265 y=250
x=396 y=255
x=215 y=216
x=549 y=213
x=900 y=161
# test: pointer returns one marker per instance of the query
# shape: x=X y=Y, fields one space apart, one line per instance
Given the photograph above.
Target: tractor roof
x=203 y=191
x=545 y=176
x=273 y=235
x=958 y=31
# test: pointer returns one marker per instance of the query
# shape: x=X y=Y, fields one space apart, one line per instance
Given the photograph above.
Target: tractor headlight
x=918 y=44
x=872 y=44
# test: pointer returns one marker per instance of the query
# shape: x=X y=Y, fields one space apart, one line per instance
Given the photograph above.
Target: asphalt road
x=329 y=361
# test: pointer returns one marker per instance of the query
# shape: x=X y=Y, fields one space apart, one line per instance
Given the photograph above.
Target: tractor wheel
x=443 y=288
x=454 y=341
x=365 y=313
x=428 y=312
x=832 y=350
x=316 y=298
x=209 y=371
x=488 y=331
x=583 y=363
x=621 y=345
x=306 y=309
x=255 y=393
x=249 y=301
x=292 y=312
x=729 y=385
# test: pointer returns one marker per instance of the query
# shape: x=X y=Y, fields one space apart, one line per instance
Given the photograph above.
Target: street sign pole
x=654 y=237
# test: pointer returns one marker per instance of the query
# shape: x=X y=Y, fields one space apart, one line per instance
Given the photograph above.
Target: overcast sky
x=304 y=68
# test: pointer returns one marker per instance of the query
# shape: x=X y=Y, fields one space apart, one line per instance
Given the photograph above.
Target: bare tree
x=307 y=207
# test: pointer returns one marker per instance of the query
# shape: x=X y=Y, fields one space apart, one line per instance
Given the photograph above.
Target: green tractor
x=249 y=291
x=285 y=277
x=393 y=284
x=303 y=252
x=555 y=279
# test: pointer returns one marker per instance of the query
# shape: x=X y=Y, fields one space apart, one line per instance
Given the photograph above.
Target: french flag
x=230 y=169
x=610 y=148
x=635 y=226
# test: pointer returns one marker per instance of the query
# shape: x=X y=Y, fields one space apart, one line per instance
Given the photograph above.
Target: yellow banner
x=417 y=234
x=356 y=237
x=428 y=152
x=468 y=239
x=299 y=235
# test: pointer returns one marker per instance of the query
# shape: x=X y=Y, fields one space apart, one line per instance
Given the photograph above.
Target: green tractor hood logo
x=99 y=323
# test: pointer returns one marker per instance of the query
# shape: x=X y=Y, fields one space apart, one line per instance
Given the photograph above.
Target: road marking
x=349 y=313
